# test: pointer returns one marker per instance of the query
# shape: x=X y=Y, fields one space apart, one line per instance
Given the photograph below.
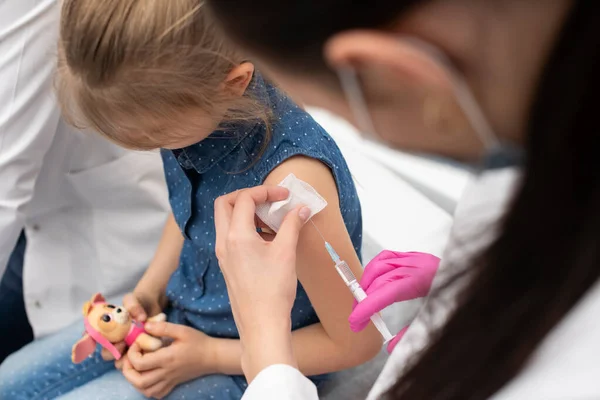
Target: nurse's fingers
x=412 y=263
x=389 y=279
x=392 y=344
x=404 y=290
x=290 y=228
x=267 y=192
x=223 y=212
x=407 y=284
x=383 y=263
x=244 y=205
x=389 y=254
x=225 y=205
x=372 y=304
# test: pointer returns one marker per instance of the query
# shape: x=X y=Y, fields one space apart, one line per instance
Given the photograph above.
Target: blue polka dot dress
x=228 y=160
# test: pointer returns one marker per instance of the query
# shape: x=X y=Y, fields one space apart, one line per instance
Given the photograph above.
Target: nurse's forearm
x=153 y=284
x=271 y=346
x=316 y=353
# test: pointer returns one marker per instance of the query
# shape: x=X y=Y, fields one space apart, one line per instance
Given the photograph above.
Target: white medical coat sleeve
x=29 y=112
x=281 y=382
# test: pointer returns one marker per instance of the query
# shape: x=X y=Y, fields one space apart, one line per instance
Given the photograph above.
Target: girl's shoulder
x=293 y=132
x=288 y=120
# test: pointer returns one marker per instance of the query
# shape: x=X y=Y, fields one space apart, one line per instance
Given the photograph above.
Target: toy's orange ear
x=86 y=308
x=83 y=349
x=97 y=298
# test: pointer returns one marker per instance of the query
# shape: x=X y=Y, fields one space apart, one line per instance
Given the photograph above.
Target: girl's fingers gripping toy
x=107 y=324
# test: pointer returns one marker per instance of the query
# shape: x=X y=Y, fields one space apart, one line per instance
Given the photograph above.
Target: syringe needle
x=318 y=231
x=357 y=291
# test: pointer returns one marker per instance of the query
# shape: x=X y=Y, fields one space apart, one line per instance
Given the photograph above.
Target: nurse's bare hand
x=260 y=275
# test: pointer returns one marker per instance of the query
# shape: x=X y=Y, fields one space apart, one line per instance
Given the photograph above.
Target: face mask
x=497 y=154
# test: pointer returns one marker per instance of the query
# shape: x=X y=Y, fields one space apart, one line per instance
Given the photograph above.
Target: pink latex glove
x=389 y=278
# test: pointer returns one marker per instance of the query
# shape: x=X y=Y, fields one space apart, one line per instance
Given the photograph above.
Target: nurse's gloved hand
x=389 y=278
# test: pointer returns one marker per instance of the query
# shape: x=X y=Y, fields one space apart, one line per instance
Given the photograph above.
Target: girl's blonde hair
x=132 y=69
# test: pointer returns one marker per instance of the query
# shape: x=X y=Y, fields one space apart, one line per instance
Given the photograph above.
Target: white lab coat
x=92 y=212
x=565 y=365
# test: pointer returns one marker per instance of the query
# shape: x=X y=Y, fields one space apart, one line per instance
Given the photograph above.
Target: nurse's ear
x=387 y=56
x=404 y=85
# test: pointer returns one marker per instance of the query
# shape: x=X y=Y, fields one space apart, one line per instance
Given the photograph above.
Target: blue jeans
x=43 y=370
x=15 y=331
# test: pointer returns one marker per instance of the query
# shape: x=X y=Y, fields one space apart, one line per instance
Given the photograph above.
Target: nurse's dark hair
x=547 y=254
x=271 y=27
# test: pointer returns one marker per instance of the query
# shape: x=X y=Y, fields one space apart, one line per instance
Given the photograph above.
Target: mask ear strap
x=464 y=96
x=356 y=99
x=474 y=114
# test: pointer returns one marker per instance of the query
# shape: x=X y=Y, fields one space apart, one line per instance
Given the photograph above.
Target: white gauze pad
x=301 y=193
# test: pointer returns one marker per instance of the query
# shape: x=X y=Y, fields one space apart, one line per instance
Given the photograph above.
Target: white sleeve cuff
x=281 y=382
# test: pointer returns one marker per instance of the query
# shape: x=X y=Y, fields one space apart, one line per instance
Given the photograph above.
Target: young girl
x=153 y=75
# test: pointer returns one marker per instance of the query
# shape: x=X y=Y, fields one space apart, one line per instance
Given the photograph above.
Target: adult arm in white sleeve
x=281 y=382
x=29 y=112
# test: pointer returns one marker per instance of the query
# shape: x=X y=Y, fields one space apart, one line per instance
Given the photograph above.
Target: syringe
x=357 y=291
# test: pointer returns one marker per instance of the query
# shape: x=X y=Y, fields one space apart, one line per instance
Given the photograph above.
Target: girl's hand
x=142 y=305
x=139 y=306
x=260 y=275
x=190 y=356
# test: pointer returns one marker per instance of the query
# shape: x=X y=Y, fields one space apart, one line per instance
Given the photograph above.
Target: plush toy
x=107 y=324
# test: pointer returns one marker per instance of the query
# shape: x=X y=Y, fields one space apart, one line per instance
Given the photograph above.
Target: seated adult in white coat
x=92 y=213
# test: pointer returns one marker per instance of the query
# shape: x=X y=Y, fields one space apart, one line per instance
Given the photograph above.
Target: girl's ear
x=83 y=349
x=239 y=78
